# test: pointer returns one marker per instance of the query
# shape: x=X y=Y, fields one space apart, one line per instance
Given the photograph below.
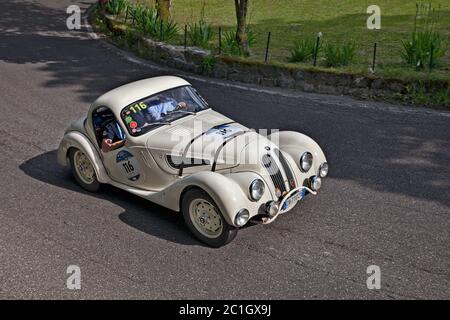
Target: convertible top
x=122 y=96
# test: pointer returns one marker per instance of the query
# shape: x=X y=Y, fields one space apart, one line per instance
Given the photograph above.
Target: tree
x=241 y=33
x=163 y=7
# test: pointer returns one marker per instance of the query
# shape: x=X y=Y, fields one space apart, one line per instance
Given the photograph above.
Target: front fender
x=75 y=139
x=295 y=144
x=225 y=192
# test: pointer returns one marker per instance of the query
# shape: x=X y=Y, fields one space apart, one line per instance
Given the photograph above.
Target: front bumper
x=281 y=206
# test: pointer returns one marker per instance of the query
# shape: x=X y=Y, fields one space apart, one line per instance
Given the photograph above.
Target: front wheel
x=204 y=219
x=83 y=170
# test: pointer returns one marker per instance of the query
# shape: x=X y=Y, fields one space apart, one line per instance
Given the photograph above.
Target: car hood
x=201 y=139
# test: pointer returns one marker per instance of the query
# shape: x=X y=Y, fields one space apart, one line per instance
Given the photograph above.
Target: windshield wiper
x=154 y=123
x=167 y=122
x=184 y=111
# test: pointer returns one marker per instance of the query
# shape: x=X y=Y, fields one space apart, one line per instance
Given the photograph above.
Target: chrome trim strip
x=186 y=149
x=237 y=134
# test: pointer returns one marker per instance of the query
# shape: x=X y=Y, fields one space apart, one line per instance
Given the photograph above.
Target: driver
x=165 y=105
x=113 y=137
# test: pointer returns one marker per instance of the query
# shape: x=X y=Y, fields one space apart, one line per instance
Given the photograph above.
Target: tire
x=197 y=202
x=79 y=159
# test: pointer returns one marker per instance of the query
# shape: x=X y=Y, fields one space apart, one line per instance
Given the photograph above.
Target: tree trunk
x=241 y=32
x=163 y=7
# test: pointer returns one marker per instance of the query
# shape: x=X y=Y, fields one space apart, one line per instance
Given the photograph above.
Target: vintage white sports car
x=158 y=139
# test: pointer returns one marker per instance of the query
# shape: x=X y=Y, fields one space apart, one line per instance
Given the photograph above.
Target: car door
x=123 y=166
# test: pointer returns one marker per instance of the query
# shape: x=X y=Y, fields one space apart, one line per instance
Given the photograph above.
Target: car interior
x=100 y=118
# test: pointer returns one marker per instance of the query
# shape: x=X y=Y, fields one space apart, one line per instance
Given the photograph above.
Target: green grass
x=338 y=20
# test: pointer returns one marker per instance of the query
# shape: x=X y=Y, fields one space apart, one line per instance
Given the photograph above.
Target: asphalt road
x=386 y=202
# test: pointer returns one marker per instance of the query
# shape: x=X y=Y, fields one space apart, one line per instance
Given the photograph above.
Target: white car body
x=228 y=160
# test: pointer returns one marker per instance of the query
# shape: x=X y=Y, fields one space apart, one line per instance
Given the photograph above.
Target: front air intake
x=274 y=172
x=287 y=169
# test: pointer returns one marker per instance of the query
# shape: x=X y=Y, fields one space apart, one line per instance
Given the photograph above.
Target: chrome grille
x=275 y=174
x=286 y=168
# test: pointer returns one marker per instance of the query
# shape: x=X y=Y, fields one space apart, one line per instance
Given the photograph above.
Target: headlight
x=272 y=208
x=306 y=161
x=316 y=183
x=242 y=217
x=323 y=170
x=256 y=189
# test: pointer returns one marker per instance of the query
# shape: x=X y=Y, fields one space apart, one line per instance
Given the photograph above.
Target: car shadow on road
x=138 y=213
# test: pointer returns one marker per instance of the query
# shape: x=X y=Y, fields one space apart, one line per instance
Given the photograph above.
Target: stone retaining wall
x=193 y=60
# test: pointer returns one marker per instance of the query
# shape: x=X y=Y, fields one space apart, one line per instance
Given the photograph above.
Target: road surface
x=386 y=202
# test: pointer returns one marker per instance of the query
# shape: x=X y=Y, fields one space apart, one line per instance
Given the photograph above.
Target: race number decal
x=223 y=131
x=128 y=165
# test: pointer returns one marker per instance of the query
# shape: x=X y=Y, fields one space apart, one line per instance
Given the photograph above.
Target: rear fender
x=74 y=139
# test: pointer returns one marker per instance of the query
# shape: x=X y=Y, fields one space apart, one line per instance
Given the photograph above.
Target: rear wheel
x=204 y=219
x=83 y=170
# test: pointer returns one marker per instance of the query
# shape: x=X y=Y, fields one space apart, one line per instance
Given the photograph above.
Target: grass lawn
x=338 y=20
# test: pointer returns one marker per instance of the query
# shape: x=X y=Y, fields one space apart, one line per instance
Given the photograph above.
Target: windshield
x=162 y=108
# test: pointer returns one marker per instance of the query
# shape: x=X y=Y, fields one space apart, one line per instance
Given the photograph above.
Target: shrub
x=426 y=46
x=425 y=49
x=442 y=97
x=117 y=7
x=303 y=50
x=167 y=30
x=339 y=54
x=147 y=21
x=251 y=37
x=231 y=46
x=200 y=33
x=207 y=65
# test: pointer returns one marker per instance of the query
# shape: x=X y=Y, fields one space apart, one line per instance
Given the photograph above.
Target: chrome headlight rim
x=316 y=183
x=272 y=208
x=256 y=189
x=242 y=217
x=323 y=170
x=308 y=162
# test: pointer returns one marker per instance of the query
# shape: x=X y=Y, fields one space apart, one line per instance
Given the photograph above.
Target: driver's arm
x=107 y=141
x=108 y=145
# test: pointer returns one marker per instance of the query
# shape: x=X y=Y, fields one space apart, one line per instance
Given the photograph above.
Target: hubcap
x=205 y=218
x=83 y=167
